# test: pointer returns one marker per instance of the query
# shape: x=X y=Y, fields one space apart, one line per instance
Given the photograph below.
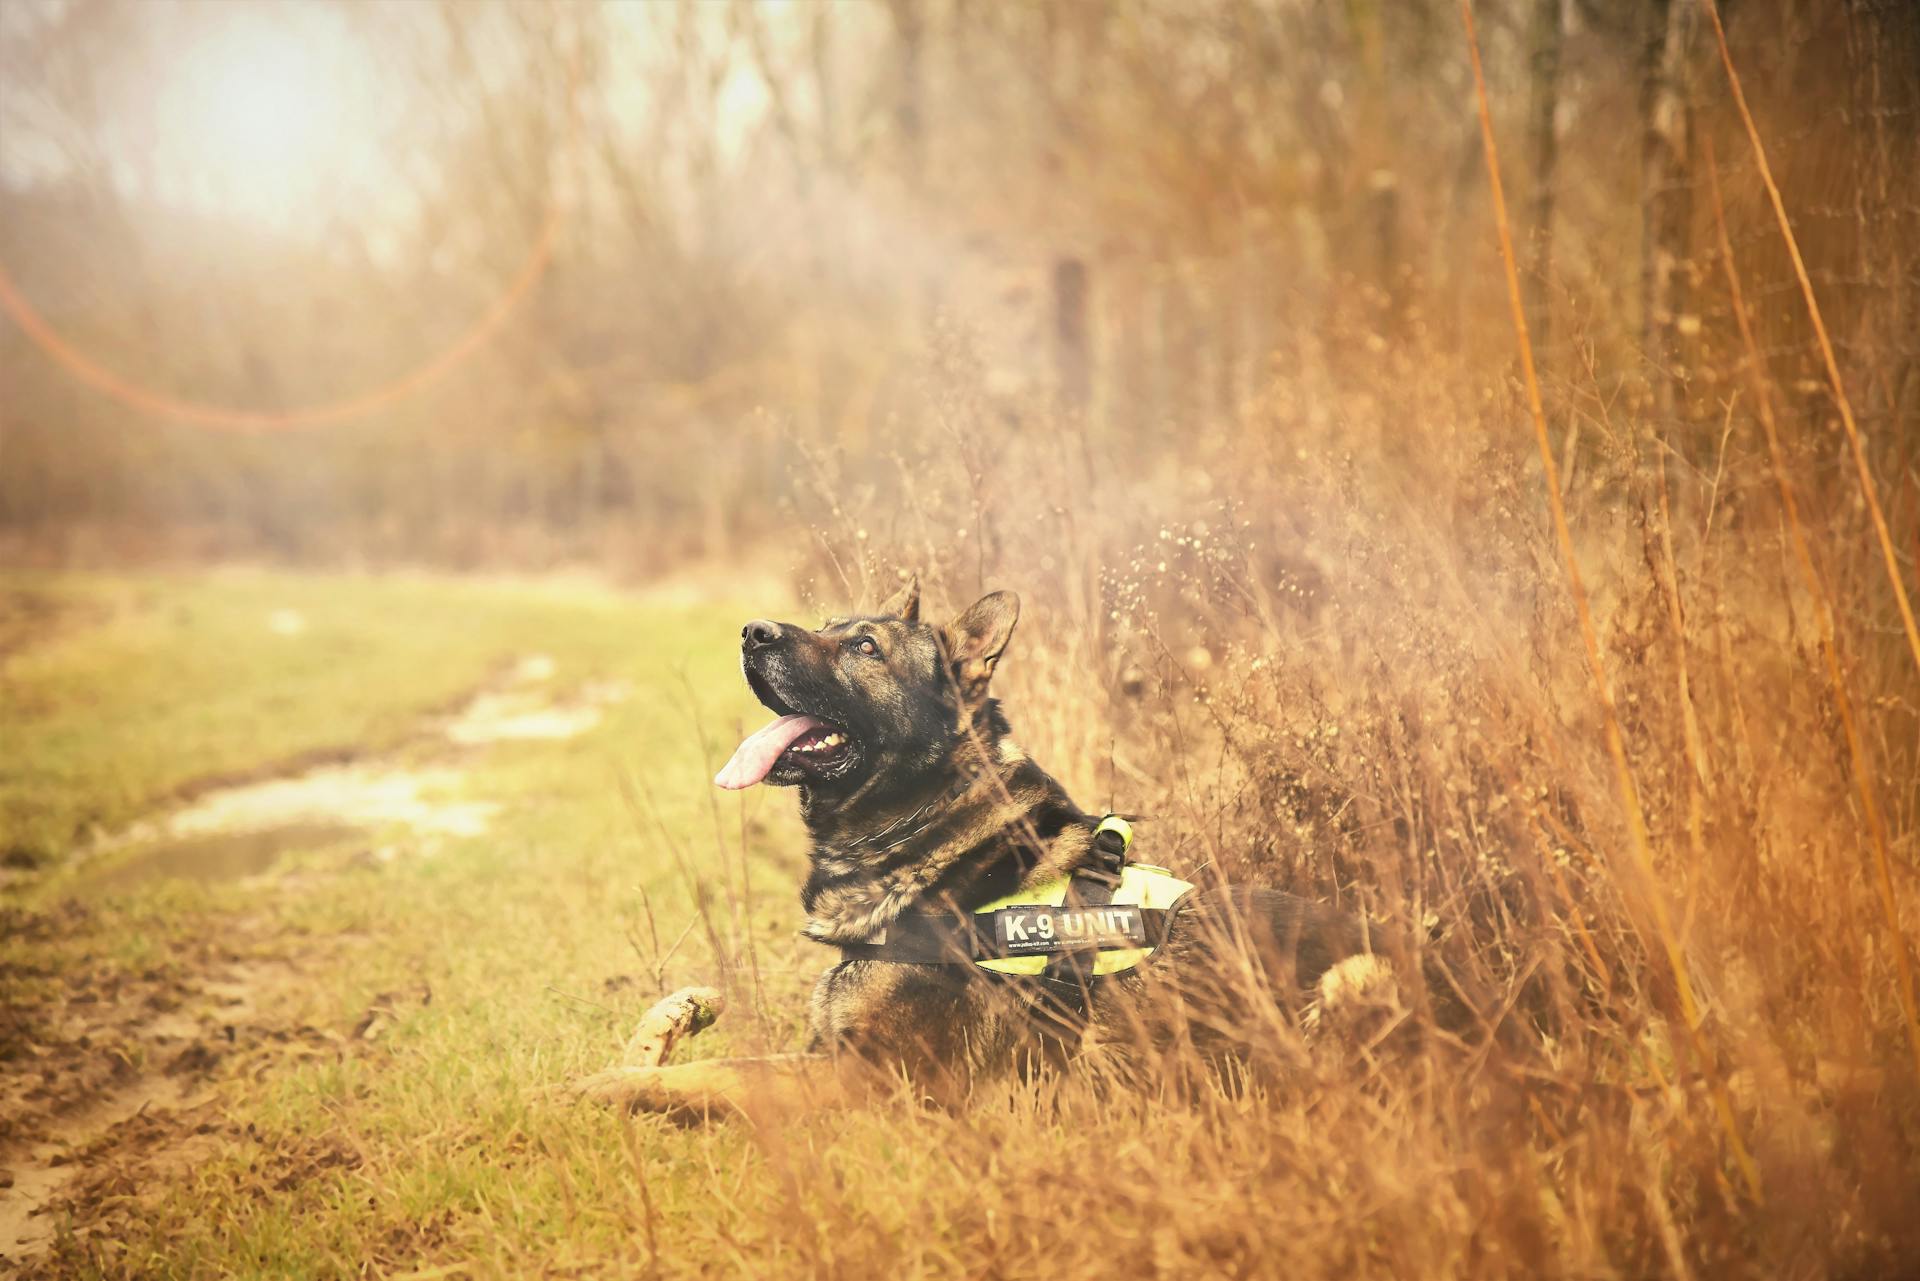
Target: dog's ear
x=977 y=638
x=905 y=603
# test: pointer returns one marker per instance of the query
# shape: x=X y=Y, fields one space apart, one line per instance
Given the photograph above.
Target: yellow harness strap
x=1141 y=885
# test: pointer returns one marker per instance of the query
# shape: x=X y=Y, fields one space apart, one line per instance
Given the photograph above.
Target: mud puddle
x=235 y=833
x=518 y=714
x=109 y=1079
x=226 y=856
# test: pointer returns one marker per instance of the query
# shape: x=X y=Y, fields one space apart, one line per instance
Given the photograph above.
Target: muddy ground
x=111 y=1082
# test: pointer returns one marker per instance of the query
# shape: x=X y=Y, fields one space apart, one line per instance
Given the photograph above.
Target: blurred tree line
x=761 y=215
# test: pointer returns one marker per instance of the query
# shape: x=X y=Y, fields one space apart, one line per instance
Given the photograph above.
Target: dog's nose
x=759 y=634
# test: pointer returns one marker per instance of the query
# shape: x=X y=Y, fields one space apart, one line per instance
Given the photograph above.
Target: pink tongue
x=753 y=758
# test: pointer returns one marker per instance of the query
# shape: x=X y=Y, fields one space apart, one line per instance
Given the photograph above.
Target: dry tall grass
x=1329 y=644
x=1346 y=662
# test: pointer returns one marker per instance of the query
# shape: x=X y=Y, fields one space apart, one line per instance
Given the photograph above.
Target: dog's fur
x=932 y=806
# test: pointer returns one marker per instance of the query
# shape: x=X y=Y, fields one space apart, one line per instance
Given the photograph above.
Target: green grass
x=525 y=935
x=145 y=686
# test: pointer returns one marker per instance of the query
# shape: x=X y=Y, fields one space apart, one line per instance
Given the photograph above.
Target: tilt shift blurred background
x=462 y=282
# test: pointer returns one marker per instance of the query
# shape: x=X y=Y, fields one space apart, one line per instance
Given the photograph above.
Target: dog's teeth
x=825 y=743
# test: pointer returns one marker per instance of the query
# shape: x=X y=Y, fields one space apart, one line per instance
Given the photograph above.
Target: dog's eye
x=866 y=646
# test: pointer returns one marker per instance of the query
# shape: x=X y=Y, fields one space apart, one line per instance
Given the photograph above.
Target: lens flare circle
x=255 y=109
x=162 y=404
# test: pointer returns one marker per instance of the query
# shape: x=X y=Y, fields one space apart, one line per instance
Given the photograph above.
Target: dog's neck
x=974 y=828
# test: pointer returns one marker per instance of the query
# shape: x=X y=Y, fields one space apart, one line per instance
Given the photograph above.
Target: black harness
x=1071 y=935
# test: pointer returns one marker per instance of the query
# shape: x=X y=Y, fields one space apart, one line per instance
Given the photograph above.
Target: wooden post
x=1663 y=190
x=1072 y=362
x=1547 y=36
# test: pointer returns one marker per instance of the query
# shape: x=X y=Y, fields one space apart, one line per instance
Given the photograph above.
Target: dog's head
x=875 y=698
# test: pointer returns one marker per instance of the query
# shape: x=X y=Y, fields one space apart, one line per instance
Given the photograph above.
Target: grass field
x=519 y=954
x=483 y=841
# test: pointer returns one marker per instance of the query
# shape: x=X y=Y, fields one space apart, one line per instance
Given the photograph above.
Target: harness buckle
x=1110 y=842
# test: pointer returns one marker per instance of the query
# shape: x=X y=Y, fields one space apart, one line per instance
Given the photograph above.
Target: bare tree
x=1666 y=118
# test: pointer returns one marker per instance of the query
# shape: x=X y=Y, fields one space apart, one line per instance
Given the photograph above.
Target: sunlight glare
x=258 y=117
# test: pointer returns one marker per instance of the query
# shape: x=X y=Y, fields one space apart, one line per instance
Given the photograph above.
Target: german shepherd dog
x=917 y=799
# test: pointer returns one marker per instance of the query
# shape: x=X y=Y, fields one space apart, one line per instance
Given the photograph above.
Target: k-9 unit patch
x=1029 y=931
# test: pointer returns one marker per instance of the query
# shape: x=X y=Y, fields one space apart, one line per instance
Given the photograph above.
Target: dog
x=921 y=811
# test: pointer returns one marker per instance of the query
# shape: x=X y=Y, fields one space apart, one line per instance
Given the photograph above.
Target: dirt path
x=117 y=1090
x=232 y=832
x=110 y=1082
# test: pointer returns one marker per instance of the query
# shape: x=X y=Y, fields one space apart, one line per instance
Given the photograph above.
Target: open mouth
x=820 y=747
x=797 y=747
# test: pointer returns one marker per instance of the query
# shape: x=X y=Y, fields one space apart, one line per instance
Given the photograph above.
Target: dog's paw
x=687 y=1092
x=1365 y=977
x=598 y=1087
x=1356 y=1002
x=688 y=1012
x=634 y=1088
